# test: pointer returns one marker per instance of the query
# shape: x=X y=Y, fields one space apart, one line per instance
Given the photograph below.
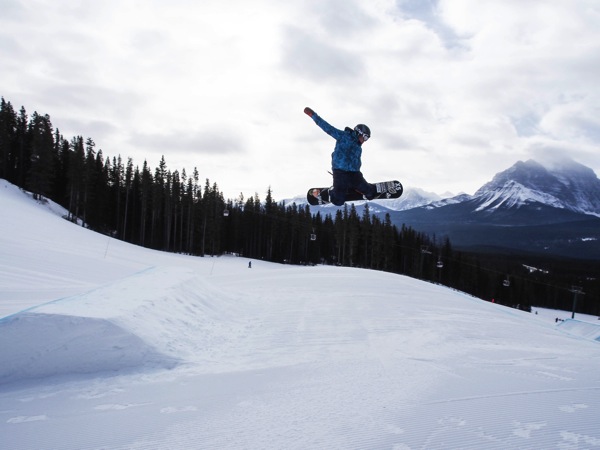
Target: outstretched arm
x=330 y=130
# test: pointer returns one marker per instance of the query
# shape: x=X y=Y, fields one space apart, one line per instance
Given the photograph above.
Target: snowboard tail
x=385 y=190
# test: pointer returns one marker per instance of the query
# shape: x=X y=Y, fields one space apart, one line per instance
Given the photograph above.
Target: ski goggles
x=365 y=136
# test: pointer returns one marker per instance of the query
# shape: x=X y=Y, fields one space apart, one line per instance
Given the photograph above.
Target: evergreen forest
x=183 y=212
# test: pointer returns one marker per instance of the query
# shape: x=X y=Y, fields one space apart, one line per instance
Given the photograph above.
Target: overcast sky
x=454 y=91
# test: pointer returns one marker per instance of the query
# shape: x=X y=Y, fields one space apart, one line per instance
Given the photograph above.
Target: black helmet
x=363 y=131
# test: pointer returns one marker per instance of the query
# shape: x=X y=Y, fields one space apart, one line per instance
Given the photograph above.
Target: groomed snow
x=127 y=348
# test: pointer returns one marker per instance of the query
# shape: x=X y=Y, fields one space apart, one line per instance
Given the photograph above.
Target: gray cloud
x=98 y=130
x=345 y=19
x=205 y=142
x=426 y=11
x=13 y=9
x=307 y=57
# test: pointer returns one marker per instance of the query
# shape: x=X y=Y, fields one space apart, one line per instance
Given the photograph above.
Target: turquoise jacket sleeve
x=327 y=128
x=347 y=153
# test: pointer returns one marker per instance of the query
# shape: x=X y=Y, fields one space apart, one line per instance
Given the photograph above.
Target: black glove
x=309 y=112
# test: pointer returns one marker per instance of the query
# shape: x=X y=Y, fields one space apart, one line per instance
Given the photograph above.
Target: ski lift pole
x=576 y=290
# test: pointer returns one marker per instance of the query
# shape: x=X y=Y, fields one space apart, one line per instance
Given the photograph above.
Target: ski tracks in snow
x=284 y=358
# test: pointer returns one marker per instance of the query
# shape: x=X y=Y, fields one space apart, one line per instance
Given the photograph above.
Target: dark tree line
x=172 y=211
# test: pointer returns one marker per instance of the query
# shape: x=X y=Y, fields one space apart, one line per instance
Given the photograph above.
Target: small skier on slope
x=345 y=160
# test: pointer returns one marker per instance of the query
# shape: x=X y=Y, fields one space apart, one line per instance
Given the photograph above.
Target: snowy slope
x=137 y=349
x=59 y=258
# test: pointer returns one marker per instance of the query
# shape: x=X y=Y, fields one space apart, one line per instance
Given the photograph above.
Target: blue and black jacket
x=347 y=152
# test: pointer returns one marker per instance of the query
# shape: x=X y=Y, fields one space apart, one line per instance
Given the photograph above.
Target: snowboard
x=385 y=190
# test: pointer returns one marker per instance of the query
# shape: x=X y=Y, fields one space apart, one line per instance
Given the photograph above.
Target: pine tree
x=23 y=152
x=145 y=203
x=39 y=177
x=76 y=176
x=366 y=237
x=8 y=141
x=158 y=202
x=128 y=195
x=60 y=183
x=89 y=181
x=168 y=211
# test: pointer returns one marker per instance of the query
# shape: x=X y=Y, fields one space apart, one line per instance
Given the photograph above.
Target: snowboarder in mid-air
x=345 y=160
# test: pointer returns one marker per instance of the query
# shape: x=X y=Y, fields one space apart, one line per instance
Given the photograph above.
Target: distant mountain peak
x=562 y=183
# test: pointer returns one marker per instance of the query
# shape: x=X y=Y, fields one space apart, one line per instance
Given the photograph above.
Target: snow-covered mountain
x=553 y=208
x=570 y=186
x=447 y=201
x=411 y=198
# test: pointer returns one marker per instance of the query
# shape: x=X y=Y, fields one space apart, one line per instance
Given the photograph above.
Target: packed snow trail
x=183 y=353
